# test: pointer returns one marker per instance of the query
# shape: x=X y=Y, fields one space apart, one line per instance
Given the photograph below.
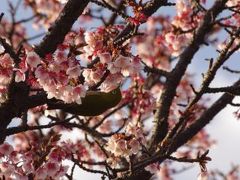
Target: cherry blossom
x=32 y=59
x=6 y=169
x=153 y=168
x=127 y=144
x=121 y=64
x=111 y=82
x=92 y=76
x=20 y=76
x=203 y=176
x=105 y=57
x=6 y=149
x=232 y=3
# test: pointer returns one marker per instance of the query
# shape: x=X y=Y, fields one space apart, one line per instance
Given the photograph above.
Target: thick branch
x=20 y=129
x=72 y=10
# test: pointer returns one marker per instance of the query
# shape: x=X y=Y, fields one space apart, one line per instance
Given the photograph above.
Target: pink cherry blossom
x=153 y=168
x=90 y=39
x=18 y=176
x=6 y=169
x=41 y=173
x=20 y=76
x=60 y=56
x=28 y=167
x=105 y=57
x=92 y=76
x=203 y=176
x=73 y=72
x=32 y=59
x=118 y=146
x=233 y=3
x=52 y=168
x=135 y=146
x=111 y=82
x=176 y=42
x=121 y=64
x=61 y=172
x=6 y=149
x=6 y=61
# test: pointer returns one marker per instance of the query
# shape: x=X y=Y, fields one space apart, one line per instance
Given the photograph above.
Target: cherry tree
x=106 y=86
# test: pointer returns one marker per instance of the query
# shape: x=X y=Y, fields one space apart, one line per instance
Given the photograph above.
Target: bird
x=93 y=104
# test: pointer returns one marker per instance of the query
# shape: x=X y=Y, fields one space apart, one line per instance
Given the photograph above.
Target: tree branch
x=205 y=118
x=19 y=129
x=72 y=10
x=149 y=8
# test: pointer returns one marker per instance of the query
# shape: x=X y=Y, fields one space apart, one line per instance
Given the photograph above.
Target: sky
x=224 y=128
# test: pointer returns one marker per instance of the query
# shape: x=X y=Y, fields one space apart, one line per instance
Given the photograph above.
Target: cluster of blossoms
x=6 y=73
x=110 y=58
x=143 y=101
x=59 y=74
x=56 y=75
x=6 y=66
x=183 y=23
x=176 y=42
x=6 y=62
x=235 y=19
x=126 y=144
x=19 y=165
x=233 y=3
x=151 y=47
x=32 y=158
x=184 y=20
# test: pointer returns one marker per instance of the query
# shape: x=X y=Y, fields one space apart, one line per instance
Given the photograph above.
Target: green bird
x=93 y=104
